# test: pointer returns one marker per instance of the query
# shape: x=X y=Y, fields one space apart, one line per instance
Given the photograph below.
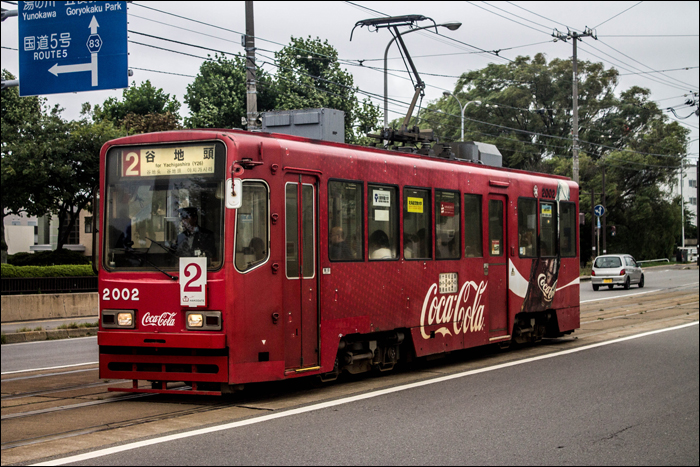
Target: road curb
x=32 y=336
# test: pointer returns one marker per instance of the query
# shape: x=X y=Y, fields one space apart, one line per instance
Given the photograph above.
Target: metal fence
x=35 y=285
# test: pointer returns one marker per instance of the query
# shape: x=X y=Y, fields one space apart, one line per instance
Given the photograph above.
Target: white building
x=27 y=234
x=688 y=186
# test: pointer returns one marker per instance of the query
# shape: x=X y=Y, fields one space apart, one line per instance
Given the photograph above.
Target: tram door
x=300 y=294
x=496 y=267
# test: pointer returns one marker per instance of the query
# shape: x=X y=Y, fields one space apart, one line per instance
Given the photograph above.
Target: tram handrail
x=653 y=260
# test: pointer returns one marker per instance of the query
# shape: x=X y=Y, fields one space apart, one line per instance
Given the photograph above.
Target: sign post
x=72 y=47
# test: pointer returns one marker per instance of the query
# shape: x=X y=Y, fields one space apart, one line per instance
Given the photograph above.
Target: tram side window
x=383 y=222
x=472 y=227
x=252 y=227
x=417 y=229
x=447 y=223
x=548 y=229
x=345 y=240
x=527 y=227
x=567 y=229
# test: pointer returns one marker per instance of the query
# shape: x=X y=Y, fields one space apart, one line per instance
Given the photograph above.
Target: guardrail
x=34 y=285
x=654 y=260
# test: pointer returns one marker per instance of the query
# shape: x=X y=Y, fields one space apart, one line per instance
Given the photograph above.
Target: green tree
x=142 y=109
x=526 y=111
x=309 y=76
x=49 y=165
x=22 y=119
x=217 y=96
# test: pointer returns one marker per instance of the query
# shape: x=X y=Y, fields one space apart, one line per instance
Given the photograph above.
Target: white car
x=612 y=270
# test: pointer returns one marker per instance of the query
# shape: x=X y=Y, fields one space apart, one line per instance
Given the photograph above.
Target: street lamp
x=447 y=94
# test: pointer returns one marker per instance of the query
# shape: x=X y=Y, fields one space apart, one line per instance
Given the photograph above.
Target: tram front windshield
x=162 y=203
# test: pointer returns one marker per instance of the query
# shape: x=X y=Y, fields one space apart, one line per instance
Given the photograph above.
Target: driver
x=194 y=240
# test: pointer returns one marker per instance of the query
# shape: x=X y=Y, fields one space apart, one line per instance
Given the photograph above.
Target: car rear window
x=608 y=263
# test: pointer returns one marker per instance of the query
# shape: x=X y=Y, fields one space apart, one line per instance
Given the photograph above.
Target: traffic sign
x=599 y=210
x=72 y=47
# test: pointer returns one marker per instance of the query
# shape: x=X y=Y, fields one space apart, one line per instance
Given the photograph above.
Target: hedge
x=48 y=258
x=66 y=270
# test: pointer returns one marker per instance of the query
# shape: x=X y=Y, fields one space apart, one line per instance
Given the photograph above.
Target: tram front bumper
x=163 y=356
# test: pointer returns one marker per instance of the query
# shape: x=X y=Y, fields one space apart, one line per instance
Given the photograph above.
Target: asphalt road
x=49 y=354
x=656 y=278
x=633 y=402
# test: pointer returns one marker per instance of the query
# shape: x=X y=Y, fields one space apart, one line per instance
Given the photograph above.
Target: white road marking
x=48 y=368
x=635 y=294
x=347 y=400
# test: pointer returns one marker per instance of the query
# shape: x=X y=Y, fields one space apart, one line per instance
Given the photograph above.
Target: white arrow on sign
x=92 y=66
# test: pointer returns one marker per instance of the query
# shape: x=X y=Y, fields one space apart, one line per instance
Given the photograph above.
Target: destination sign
x=154 y=161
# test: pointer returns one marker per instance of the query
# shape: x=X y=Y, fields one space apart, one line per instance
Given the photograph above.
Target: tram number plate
x=607 y=281
x=449 y=283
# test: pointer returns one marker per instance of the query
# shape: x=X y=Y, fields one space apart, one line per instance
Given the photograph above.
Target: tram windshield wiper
x=142 y=258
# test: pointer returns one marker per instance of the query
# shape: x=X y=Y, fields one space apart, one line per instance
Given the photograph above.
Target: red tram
x=228 y=257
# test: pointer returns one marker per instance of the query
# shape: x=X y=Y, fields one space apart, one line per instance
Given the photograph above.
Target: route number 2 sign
x=193 y=282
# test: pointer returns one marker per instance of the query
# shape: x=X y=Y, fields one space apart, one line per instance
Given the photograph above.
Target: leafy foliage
x=49 y=164
x=217 y=96
x=526 y=111
x=8 y=270
x=309 y=76
x=48 y=258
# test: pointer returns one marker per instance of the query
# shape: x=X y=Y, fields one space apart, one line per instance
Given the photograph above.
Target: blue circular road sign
x=599 y=210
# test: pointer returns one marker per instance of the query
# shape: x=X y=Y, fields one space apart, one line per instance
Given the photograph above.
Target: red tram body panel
x=228 y=257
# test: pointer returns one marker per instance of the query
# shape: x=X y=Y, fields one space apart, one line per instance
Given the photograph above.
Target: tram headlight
x=125 y=319
x=203 y=320
x=118 y=319
x=195 y=320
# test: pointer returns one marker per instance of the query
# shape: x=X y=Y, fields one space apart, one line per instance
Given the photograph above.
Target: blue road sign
x=72 y=47
x=599 y=210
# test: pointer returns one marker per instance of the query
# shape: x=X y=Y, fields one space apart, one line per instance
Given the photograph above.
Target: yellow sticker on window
x=415 y=205
x=546 y=210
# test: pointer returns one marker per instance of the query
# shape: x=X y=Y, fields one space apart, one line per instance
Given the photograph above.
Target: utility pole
x=682 y=207
x=576 y=37
x=252 y=95
x=605 y=231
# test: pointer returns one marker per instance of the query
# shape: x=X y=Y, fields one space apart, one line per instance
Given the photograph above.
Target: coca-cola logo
x=451 y=309
x=163 y=319
x=547 y=291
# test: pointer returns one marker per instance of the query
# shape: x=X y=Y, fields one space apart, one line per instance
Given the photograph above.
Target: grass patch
x=78 y=326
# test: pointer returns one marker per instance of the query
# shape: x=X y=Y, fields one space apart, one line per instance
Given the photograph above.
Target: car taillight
x=592 y=273
x=622 y=273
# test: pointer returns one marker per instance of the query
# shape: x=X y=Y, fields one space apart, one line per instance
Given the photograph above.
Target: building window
x=693 y=183
x=693 y=201
x=88 y=224
x=74 y=234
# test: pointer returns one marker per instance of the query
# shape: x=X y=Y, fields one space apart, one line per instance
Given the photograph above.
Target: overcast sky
x=650 y=43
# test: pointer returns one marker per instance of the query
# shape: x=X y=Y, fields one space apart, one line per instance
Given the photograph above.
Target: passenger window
x=496 y=245
x=252 y=227
x=548 y=229
x=417 y=229
x=527 y=227
x=383 y=222
x=472 y=227
x=345 y=233
x=567 y=229
x=447 y=225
